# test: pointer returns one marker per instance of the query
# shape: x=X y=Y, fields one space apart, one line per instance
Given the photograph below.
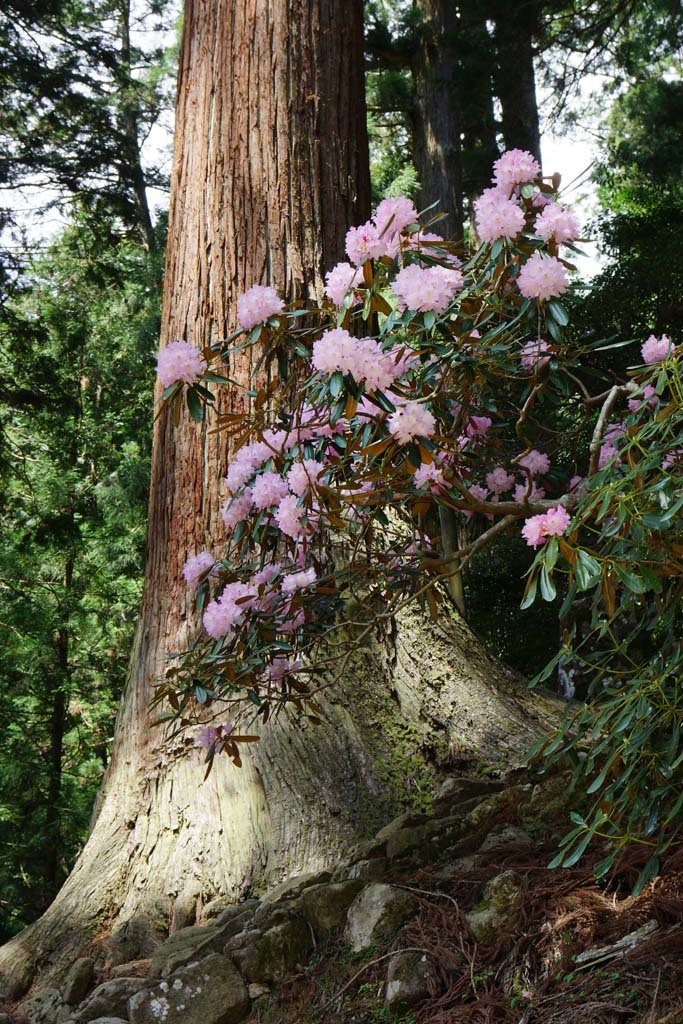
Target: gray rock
x=293 y=887
x=238 y=912
x=426 y=841
x=405 y=820
x=78 y=981
x=368 y=870
x=410 y=980
x=185 y=945
x=110 y=999
x=509 y=835
x=269 y=956
x=502 y=897
x=325 y=906
x=208 y=992
x=194 y=943
x=217 y=906
x=135 y=939
x=133 y=969
x=456 y=790
x=46 y=1007
x=376 y=915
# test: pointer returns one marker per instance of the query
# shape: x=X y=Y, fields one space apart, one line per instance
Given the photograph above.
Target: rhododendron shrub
x=419 y=395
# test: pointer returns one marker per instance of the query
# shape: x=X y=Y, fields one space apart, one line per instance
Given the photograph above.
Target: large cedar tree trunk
x=437 y=116
x=270 y=169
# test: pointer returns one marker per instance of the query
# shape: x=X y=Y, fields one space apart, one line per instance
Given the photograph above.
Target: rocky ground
x=442 y=918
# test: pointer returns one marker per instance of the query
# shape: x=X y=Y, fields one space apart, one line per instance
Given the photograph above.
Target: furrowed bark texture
x=270 y=170
x=516 y=27
x=437 y=122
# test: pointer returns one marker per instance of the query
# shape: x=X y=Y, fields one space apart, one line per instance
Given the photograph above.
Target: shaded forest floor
x=551 y=962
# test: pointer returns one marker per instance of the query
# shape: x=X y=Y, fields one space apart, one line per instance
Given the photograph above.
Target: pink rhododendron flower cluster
x=304 y=475
x=224 y=614
x=478 y=492
x=257 y=305
x=411 y=420
x=394 y=215
x=478 y=426
x=237 y=509
x=179 y=361
x=426 y=288
x=288 y=517
x=608 y=453
x=497 y=216
x=535 y=462
x=515 y=167
x=532 y=357
x=298 y=580
x=196 y=566
x=556 y=222
x=268 y=489
x=648 y=396
x=338 y=351
x=499 y=480
x=654 y=350
x=553 y=523
x=542 y=277
x=429 y=475
x=523 y=492
x=245 y=462
x=340 y=279
x=214 y=736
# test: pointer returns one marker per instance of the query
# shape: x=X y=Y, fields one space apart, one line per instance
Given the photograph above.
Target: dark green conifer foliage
x=76 y=372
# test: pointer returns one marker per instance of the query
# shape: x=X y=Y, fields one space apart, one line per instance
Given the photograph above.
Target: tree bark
x=270 y=169
x=437 y=121
x=516 y=27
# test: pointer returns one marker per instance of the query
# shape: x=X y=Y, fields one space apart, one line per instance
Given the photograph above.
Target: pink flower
x=257 y=305
x=578 y=485
x=557 y=521
x=429 y=475
x=288 y=517
x=553 y=523
x=477 y=426
x=196 y=566
x=335 y=350
x=542 y=277
x=303 y=475
x=557 y=222
x=394 y=215
x=533 y=531
x=648 y=397
x=179 y=361
x=478 y=492
x=299 y=580
x=427 y=288
x=224 y=614
x=281 y=667
x=497 y=216
x=674 y=459
x=411 y=419
x=654 y=350
x=607 y=454
x=207 y=737
x=245 y=462
x=523 y=493
x=531 y=355
x=268 y=489
x=237 y=509
x=515 y=167
x=363 y=243
x=499 y=480
x=340 y=280
x=535 y=462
